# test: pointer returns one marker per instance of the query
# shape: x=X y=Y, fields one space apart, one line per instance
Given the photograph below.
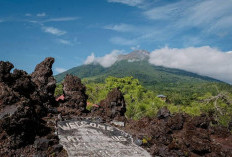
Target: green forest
x=214 y=99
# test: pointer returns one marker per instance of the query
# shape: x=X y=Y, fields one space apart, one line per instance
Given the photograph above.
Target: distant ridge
x=137 y=55
x=152 y=77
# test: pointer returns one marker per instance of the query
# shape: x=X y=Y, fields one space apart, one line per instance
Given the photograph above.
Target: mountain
x=157 y=78
x=134 y=64
x=136 y=55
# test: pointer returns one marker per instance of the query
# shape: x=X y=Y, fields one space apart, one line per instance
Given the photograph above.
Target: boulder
x=113 y=107
x=163 y=113
x=75 y=98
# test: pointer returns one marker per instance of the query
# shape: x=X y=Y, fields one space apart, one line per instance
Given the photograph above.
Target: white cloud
x=170 y=11
x=210 y=15
x=60 y=70
x=180 y=19
x=41 y=14
x=53 y=31
x=137 y=47
x=34 y=21
x=90 y=59
x=105 y=61
x=210 y=12
x=28 y=14
x=128 y=2
x=61 y=19
x=202 y=60
x=121 y=28
x=123 y=41
x=65 y=42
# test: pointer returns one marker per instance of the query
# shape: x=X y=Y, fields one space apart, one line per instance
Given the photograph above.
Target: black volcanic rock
x=111 y=108
x=22 y=103
x=75 y=97
x=43 y=77
x=21 y=126
x=181 y=135
x=7 y=95
x=22 y=83
x=5 y=68
x=163 y=113
x=44 y=80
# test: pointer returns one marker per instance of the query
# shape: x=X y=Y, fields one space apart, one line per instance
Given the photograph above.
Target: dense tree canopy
x=141 y=102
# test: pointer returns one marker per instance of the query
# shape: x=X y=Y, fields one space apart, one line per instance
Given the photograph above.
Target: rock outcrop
x=163 y=113
x=181 y=135
x=111 y=108
x=18 y=112
x=75 y=97
x=5 y=68
x=44 y=80
x=23 y=104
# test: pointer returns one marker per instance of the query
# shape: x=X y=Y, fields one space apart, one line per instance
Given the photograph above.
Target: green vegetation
x=180 y=86
x=142 y=102
x=186 y=92
x=58 y=90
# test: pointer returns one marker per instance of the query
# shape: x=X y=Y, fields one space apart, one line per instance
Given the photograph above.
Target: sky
x=193 y=35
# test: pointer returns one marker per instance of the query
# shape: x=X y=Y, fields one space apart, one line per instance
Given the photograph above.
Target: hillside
x=142 y=70
x=175 y=83
x=135 y=64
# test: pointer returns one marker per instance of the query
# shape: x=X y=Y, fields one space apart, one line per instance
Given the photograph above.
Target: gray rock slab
x=87 y=137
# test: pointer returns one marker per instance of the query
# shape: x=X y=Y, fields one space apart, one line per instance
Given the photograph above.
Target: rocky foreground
x=29 y=116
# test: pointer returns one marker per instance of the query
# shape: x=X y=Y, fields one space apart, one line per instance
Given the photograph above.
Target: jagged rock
x=75 y=97
x=5 y=68
x=22 y=99
x=182 y=135
x=198 y=141
x=44 y=80
x=176 y=122
x=7 y=96
x=163 y=113
x=221 y=132
x=201 y=121
x=23 y=102
x=21 y=126
x=71 y=85
x=113 y=107
x=41 y=144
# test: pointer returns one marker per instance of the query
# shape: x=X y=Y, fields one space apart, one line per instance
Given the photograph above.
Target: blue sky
x=70 y=30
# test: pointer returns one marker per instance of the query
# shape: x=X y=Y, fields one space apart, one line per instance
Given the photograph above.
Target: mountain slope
x=134 y=64
x=149 y=75
x=160 y=79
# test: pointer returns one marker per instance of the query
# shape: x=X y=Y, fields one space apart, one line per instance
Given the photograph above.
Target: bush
x=144 y=103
